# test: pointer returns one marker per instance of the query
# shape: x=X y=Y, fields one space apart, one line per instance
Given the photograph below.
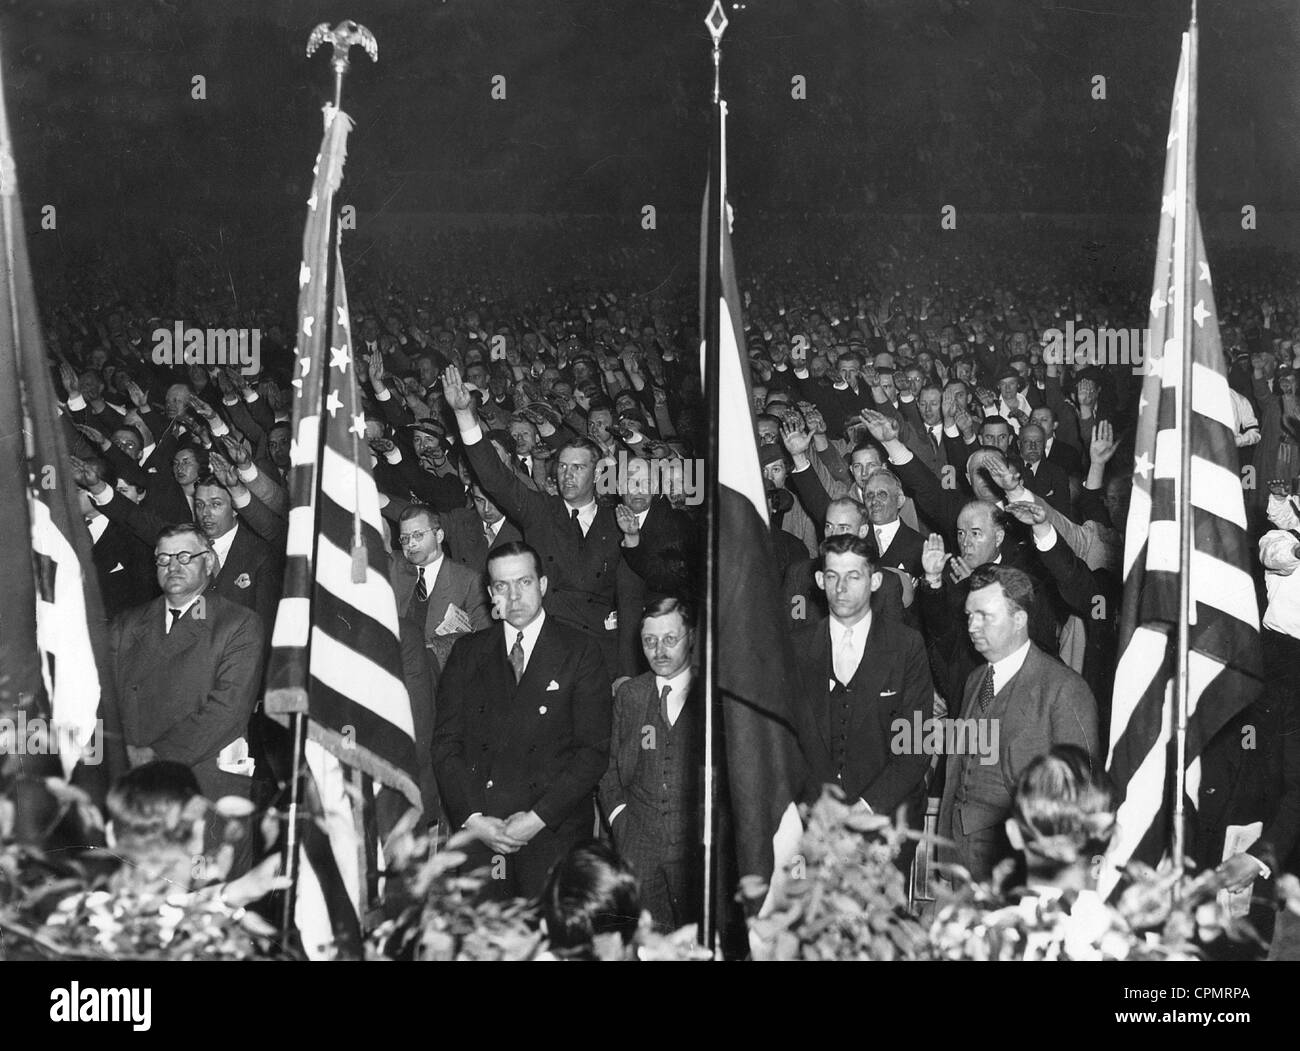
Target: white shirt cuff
x=1046 y=544
x=251 y=396
x=951 y=431
x=248 y=499
x=381 y=391
x=230 y=399
x=248 y=474
x=472 y=435
x=76 y=403
x=394 y=455
x=101 y=498
x=218 y=427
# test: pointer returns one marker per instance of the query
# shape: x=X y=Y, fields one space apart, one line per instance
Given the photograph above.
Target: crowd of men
x=948 y=507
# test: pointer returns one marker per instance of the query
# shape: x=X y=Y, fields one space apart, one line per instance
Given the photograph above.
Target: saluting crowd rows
x=947 y=507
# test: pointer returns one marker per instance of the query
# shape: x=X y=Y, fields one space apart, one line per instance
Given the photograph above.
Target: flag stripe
x=1223 y=636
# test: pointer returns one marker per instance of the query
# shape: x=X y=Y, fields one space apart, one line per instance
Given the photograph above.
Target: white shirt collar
x=641 y=517
x=678 y=687
x=491 y=529
x=221 y=545
x=1007 y=667
x=530 y=635
x=586 y=514
x=885 y=534
x=430 y=572
x=168 y=607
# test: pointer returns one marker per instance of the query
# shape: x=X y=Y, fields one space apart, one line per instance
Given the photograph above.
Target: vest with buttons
x=665 y=787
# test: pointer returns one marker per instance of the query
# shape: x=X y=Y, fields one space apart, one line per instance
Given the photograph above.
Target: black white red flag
x=765 y=769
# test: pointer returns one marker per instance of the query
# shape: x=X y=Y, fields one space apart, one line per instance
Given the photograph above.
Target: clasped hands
x=505 y=835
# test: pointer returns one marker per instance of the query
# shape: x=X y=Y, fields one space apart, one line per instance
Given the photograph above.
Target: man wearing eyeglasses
x=650 y=793
x=186 y=669
x=443 y=597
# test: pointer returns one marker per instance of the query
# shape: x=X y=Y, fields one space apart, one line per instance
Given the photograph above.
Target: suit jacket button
x=489 y=784
x=1209 y=791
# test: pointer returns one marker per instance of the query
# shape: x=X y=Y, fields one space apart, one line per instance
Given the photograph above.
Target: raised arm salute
x=577 y=537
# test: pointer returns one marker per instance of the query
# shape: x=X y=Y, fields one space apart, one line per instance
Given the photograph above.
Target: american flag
x=1224 y=662
x=53 y=657
x=335 y=647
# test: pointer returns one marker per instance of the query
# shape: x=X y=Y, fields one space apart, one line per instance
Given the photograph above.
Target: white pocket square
x=553 y=686
x=888 y=693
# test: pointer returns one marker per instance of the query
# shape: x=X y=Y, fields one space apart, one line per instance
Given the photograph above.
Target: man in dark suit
x=248 y=570
x=861 y=673
x=123 y=562
x=446 y=599
x=659 y=557
x=896 y=546
x=651 y=792
x=472 y=532
x=187 y=668
x=1250 y=772
x=523 y=730
x=927 y=437
x=1020 y=703
x=1041 y=476
x=804 y=597
x=577 y=537
x=941 y=598
x=524 y=458
x=1055 y=449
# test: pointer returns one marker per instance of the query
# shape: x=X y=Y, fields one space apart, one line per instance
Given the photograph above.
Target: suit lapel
x=826 y=674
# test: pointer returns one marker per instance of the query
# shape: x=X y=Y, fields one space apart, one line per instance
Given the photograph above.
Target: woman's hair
x=1064 y=808
x=589 y=891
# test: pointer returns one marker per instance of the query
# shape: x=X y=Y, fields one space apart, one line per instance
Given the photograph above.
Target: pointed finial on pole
x=342 y=36
x=717 y=22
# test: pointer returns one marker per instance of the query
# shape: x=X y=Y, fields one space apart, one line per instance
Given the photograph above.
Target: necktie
x=844 y=665
x=517 y=656
x=488 y=534
x=175 y=615
x=880 y=540
x=421 y=588
x=934 y=439
x=663 y=705
x=573 y=513
x=986 y=690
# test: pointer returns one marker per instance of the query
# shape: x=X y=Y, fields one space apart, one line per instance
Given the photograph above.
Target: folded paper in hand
x=234 y=758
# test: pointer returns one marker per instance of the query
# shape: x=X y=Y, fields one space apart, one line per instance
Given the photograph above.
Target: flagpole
x=1187 y=202
x=716 y=21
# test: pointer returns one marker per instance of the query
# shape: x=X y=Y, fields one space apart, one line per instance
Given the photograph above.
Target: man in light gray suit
x=445 y=598
x=1026 y=702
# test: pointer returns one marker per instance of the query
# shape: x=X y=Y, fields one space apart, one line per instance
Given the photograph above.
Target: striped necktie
x=421 y=588
x=517 y=657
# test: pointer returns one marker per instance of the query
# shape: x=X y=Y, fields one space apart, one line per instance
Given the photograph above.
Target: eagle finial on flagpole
x=717 y=22
x=343 y=36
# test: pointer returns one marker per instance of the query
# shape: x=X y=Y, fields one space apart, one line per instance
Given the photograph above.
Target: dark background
x=912 y=104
